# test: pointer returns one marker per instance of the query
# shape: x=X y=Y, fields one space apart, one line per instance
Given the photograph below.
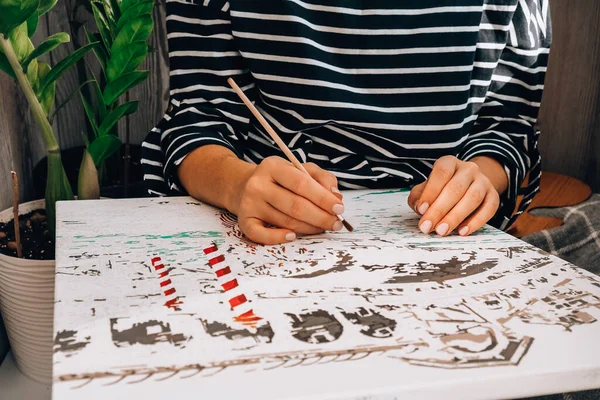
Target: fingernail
x=426 y=227
x=423 y=208
x=442 y=229
x=337 y=226
x=463 y=231
x=290 y=237
x=335 y=190
x=338 y=209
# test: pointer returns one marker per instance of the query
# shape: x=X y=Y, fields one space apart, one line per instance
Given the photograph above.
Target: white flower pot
x=27 y=306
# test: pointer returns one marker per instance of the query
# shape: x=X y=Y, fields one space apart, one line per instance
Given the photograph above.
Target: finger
x=306 y=187
x=450 y=195
x=482 y=215
x=301 y=209
x=470 y=202
x=256 y=231
x=415 y=194
x=325 y=178
x=275 y=217
x=443 y=170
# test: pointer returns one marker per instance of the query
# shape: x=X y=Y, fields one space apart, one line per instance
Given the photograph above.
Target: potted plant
x=27 y=283
x=122 y=33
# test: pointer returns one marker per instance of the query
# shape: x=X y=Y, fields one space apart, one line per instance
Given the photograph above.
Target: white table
x=16 y=386
x=380 y=313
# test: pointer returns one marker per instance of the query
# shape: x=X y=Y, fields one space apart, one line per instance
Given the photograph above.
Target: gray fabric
x=578 y=239
x=585 y=395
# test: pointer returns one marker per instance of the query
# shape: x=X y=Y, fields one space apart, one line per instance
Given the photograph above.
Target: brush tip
x=348 y=226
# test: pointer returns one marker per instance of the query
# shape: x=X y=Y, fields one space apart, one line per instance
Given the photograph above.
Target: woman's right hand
x=276 y=193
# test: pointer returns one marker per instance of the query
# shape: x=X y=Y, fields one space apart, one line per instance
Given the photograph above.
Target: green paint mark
x=98 y=236
x=392 y=191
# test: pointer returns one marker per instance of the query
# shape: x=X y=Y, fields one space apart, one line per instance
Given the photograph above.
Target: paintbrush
x=277 y=139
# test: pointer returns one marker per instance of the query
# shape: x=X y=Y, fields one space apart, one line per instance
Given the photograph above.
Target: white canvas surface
x=384 y=312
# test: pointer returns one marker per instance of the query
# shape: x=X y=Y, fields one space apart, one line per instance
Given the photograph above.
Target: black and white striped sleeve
x=505 y=128
x=204 y=109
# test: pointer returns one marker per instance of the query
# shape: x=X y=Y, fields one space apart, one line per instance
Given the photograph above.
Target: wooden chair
x=556 y=190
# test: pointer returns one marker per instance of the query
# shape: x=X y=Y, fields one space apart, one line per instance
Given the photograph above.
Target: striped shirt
x=374 y=94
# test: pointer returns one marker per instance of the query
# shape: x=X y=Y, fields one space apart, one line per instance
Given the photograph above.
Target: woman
x=439 y=95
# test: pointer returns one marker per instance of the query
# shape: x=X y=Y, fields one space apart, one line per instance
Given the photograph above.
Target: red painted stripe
x=170 y=292
x=155 y=260
x=173 y=303
x=222 y=272
x=248 y=316
x=211 y=249
x=237 y=300
x=159 y=266
x=246 y=320
x=216 y=260
x=163 y=274
x=165 y=283
x=230 y=285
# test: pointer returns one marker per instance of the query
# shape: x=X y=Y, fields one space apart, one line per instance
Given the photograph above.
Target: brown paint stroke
x=373 y=323
x=315 y=327
x=439 y=272
x=139 y=334
x=65 y=342
x=264 y=333
x=345 y=260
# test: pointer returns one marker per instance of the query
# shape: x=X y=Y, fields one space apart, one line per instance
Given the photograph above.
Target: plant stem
x=57 y=186
x=36 y=107
x=17 y=227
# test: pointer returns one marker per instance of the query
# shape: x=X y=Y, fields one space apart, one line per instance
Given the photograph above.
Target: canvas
x=166 y=297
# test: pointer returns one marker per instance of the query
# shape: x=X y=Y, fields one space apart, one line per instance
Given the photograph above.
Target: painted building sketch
x=175 y=296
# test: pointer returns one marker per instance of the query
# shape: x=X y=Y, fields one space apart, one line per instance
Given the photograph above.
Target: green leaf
x=65 y=64
x=47 y=46
x=20 y=42
x=143 y=8
x=102 y=25
x=91 y=115
x=116 y=9
x=33 y=76
x=5 y=66
x=128 y=59
x=99 y=51
x=69 y=98
x=32 y=24
x=115 y=89
x=111 y=17
x=102 y=107
x=115 y=115
x=14 y=12
x=104 y=147
x=127 y=4
x=45 y=6
x=48 y=96
x=136 y=30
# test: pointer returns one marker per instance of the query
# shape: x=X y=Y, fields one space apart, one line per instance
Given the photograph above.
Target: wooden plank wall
x=570 y=115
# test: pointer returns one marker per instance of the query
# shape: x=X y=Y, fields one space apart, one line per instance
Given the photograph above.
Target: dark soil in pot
x=36 y=239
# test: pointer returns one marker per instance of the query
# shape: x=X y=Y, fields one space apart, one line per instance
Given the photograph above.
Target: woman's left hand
x=458 y=194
